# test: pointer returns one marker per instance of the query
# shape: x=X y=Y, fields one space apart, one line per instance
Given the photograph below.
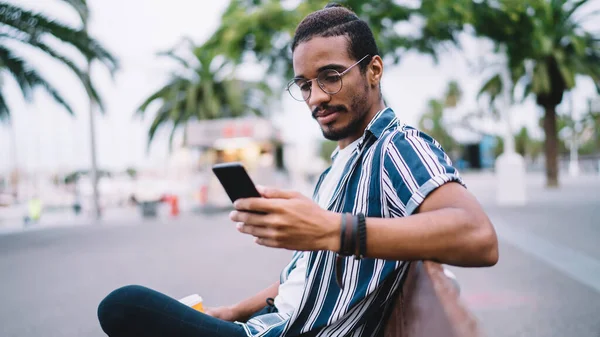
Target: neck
x=375 y=108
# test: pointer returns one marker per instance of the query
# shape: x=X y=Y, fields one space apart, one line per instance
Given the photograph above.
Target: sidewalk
x=12 y=220
x=547 y=281
x=523 y=295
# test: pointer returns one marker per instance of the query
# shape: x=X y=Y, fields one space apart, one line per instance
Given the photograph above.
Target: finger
x=257 y=205
x=275 y=193
x=246 y=217
x=272 y=243
x=256 y=231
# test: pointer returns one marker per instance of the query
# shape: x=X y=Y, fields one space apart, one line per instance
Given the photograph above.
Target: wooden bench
x=429 y=306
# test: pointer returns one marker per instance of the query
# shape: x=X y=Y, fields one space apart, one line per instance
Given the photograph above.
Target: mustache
x=327 y=109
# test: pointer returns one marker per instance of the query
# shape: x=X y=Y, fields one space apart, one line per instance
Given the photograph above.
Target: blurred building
x=253 y=141
x=480 y=154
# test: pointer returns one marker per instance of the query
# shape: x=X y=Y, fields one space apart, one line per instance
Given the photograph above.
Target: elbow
x=490 y=254
x=487 y=245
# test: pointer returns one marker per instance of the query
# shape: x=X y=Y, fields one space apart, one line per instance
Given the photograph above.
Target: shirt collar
x=380 y=122
x=337 y=149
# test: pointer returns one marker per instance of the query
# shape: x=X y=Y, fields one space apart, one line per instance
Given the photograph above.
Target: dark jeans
x=136 y=311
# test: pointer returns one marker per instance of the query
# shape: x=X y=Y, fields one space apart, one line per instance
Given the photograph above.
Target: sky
x=49 y=139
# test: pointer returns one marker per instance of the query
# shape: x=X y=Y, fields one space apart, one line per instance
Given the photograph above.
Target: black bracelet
x=346 y=239
x=361 y=236
x=355 y=243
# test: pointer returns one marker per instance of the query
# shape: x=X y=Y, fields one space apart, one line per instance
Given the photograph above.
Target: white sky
x=135 y=30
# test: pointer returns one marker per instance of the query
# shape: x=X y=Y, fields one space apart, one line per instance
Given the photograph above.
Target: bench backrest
x=429 y=306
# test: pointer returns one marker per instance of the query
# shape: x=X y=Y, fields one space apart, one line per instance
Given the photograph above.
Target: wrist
x=238 y=312
x=334 y=223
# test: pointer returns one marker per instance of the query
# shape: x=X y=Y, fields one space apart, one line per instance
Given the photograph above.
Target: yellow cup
x=194 y=301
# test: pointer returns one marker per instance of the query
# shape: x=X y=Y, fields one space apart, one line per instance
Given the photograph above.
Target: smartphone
x=236 y=181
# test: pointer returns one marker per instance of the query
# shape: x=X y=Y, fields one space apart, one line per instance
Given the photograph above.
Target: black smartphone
x=236 y=181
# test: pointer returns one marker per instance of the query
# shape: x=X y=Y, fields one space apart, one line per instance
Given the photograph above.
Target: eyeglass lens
x=329 y=80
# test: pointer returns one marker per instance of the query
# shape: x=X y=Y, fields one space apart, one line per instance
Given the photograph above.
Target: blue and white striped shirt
x=389 y=174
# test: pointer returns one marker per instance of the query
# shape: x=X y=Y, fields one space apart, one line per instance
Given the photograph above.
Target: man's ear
x=375 y=71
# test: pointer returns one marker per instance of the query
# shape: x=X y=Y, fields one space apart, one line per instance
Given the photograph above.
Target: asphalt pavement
x=547 y=282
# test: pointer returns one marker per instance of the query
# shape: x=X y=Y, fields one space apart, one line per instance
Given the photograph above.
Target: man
x=390 y=196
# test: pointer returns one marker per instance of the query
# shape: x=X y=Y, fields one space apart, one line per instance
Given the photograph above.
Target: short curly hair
x=336 y=20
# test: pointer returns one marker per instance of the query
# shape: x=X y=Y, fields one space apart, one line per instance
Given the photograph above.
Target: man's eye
x=304 y=86
x=332 y=78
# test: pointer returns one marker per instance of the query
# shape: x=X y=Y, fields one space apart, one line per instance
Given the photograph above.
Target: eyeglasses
x=329 y=80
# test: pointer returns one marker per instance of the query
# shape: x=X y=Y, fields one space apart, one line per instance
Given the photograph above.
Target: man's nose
x=317 y=95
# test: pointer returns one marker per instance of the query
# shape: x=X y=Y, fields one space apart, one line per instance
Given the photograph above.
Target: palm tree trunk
x=14 y=173
x=94 y=168
x=551 y=146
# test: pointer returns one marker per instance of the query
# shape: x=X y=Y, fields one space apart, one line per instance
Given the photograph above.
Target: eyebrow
x=333 y=66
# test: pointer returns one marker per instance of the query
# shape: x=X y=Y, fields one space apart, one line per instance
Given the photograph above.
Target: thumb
x=275 y=193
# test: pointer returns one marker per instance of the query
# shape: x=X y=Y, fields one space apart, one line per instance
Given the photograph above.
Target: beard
x=359 y=108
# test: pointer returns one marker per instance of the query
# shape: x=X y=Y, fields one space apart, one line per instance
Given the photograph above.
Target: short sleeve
x=414 y=166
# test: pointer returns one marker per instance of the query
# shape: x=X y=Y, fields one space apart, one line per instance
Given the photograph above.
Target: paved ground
x=546 y=284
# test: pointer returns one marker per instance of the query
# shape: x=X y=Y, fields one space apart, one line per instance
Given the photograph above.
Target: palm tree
x=432 y=122
x=20 y=27
x=547 y=47
x=592 y=119
x=453 y=94
x=203 y=88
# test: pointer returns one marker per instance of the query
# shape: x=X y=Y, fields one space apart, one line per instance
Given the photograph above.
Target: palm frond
x=213 y=92
x=492 y=87
x=541 y=79
x=175 y=57
x=35 y=25
x=576 y=5
x=28 y=79
x=4 y=111
x=191 y=103
x=567 y=74
x=453 y=94
x=176 y=123
x=39 y=81
x=161 y=93
x=81 y=7
x=17 y=69
x=162 y=116
x=81 y=75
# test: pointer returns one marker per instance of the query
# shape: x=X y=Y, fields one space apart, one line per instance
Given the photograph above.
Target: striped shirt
x=391 y=171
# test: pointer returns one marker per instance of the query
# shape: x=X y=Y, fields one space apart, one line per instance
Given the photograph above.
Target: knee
x=113 y=309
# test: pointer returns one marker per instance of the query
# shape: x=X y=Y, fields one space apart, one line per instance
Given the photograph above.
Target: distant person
x=34 y=210
x=77 y=204
x=133 y=200
x=77 y=207
x=390 y=197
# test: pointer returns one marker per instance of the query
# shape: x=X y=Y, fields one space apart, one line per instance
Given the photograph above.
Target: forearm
x=450 y=235
x=249 y=306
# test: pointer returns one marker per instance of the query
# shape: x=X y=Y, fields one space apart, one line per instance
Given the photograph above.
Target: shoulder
x=407 y=137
